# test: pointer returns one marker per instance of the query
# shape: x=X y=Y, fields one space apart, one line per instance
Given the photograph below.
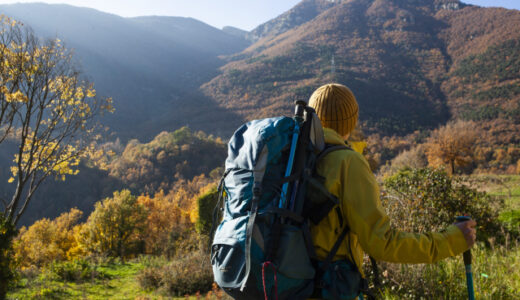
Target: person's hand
x=469 y=231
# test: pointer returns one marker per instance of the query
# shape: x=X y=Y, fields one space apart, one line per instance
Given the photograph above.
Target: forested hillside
x=406 y=61
x=168 y=163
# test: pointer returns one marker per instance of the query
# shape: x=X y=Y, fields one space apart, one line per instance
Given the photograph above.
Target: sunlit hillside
x=114 y=136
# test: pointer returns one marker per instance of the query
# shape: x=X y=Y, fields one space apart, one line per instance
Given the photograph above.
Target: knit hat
x=336 y=107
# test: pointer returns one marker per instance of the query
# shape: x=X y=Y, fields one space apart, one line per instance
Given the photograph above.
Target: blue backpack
x=262 y=248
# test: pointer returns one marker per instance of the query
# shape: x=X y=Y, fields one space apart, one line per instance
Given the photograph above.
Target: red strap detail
x=267 y=263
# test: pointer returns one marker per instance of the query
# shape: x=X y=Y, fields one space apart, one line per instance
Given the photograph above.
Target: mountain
x=235 y=31
x=303 y=12
x=151 y=66
x=412 y=64
x=407 y=61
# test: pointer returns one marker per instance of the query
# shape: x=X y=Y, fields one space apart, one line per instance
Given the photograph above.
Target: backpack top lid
x=248 y=141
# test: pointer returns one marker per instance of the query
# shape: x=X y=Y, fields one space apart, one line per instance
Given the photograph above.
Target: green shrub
x=206 y=204
x=424 y=200
x=113 y=228
x=75 y=271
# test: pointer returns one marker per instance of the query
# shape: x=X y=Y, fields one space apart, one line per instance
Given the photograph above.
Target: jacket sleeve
x=368 y=220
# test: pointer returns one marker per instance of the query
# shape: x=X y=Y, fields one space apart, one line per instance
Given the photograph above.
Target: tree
x=47 y=111
x=115 y=226
x=166 y=223
x=47 y=240
x=452 y=144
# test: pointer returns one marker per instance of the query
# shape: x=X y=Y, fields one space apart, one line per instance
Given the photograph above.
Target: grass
x=119 y=284
x=495 y=274
x=506 y=186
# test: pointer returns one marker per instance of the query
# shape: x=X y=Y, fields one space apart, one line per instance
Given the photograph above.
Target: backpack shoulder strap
x=331 y=148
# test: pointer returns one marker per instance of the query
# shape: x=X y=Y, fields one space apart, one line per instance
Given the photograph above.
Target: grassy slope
x=506 y=186
x=120 y=285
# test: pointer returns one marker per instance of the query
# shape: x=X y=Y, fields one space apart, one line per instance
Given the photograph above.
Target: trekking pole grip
x=467 y=254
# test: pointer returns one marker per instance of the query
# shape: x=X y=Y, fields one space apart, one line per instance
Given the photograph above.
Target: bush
x=77 y=270
x=423 y=200
x=205 y=206
x=185 y=275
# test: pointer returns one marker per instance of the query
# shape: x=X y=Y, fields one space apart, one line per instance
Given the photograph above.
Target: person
x=348 y=177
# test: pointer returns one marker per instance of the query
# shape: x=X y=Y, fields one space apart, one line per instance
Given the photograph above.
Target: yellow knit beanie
x=336 y=107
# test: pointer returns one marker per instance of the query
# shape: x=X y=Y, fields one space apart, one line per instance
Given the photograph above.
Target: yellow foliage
x=17 y=96
x=165 y=222
x=49 y=104
x=46 y=240
x=47 y=157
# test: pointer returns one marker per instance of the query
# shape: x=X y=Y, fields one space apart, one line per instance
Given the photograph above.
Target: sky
x=243 y=14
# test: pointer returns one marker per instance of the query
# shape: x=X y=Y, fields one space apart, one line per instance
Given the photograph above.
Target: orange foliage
x=165 y=222
x=452 y=144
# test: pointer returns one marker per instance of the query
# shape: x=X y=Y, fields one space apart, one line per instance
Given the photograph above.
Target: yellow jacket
x=348 y=177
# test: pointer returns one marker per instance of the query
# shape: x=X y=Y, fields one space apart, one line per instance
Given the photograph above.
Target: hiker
x=348 y=176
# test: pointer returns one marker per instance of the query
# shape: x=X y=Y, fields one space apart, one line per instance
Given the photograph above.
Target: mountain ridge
x=150 y=66
x=398 y=56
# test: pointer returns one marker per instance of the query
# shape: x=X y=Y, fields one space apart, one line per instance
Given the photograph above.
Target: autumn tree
x=115 y=226
x=452 y=145
x=166 y=223
x=46 y=113
x=47 y=240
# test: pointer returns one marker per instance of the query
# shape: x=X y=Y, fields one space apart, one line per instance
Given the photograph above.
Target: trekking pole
x=298 y=117
x=467 y=264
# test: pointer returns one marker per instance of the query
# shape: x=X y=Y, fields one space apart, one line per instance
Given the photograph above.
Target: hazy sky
x=244 y=14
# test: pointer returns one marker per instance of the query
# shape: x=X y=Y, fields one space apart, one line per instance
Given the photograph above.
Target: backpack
x=262 y=248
